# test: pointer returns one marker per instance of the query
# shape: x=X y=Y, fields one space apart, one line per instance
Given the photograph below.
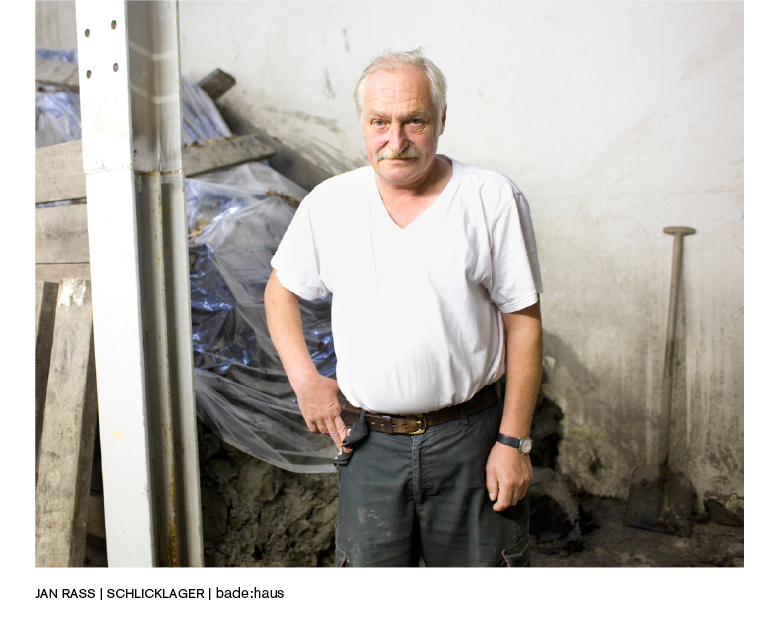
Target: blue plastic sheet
x=242 y=390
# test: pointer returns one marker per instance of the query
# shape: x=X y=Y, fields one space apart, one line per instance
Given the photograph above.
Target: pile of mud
x=258 y=515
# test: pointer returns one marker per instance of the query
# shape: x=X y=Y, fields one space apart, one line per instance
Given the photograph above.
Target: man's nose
x=397 y=137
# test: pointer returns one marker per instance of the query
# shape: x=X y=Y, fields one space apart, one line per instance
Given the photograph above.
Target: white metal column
x=132 y=140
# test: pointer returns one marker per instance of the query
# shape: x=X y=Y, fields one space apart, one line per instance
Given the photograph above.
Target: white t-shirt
x=415 y=311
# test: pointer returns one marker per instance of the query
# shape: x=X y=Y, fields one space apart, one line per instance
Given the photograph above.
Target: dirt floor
x=613 y=544
x=264 y=516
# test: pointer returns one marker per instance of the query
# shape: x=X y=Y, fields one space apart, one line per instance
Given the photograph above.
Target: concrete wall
x=616 y=120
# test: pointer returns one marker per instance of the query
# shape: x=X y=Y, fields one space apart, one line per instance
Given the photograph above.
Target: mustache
x=410 y=152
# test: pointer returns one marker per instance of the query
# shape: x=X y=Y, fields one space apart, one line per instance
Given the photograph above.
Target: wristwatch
x=522 y=444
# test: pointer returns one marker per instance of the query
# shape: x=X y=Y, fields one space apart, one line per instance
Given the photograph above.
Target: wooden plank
x=219 y=153
x=61 y=235
x=57 y=73
x=217 y=83
x=96 y=519
x=45 y=303
x=56 y=272
x=59 y=172
x=95 y=556
x=286 y=161
x=68 y=434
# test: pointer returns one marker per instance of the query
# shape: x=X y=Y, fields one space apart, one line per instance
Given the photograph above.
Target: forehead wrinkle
x=414 y=113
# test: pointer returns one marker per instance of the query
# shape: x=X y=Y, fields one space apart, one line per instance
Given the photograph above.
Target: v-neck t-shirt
x=416 y=311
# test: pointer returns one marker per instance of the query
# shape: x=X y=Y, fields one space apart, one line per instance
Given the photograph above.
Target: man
x=435 y=282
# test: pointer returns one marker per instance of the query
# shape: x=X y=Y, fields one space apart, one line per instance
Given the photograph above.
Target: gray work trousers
x=403 y=496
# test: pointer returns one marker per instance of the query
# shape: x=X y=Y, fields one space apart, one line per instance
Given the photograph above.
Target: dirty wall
x=616 y=119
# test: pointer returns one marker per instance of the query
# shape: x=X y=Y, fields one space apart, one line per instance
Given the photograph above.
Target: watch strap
x=512 y=442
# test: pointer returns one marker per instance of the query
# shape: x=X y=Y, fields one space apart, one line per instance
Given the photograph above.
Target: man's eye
x=415 y=121
x=378 y=122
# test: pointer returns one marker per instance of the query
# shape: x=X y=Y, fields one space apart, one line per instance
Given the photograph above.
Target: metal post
x=131 y=128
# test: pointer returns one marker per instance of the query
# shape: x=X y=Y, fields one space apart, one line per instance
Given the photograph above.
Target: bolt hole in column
x=116 y=67
x=86 y=32
x=113 y=24
x=89 y=74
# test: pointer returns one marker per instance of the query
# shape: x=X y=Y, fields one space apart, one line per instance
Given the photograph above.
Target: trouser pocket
x=355 y=434
x=518 y=555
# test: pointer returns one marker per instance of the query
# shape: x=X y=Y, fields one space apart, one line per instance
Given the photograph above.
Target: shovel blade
x=660 y=500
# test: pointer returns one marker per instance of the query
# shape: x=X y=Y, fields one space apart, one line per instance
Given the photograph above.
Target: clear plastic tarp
x=58 y=111
x=200 y=117
x=236 y=219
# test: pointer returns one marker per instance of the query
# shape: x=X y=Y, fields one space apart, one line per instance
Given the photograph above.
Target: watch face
x=525 y=445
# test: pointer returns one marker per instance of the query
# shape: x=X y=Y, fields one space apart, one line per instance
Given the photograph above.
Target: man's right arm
x=318 y=396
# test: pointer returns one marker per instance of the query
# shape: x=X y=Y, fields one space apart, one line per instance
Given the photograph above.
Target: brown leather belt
x=414 y=424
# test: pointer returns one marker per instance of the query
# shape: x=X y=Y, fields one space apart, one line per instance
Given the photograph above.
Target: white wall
x=616 y=119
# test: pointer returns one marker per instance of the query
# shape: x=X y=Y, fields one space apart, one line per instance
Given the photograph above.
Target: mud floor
x=255 y=514
x=610 y=543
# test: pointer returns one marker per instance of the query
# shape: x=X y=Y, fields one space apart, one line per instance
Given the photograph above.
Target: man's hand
x=318 y=400
x=509 y=475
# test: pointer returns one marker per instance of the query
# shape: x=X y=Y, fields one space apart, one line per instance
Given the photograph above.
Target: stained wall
x=616 y=119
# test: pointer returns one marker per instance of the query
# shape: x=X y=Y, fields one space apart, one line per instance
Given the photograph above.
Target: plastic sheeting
x=201 y=119
x=58 y=110
x=57 y=116
x=241 y=388
x=242 y=392
x=63 y=55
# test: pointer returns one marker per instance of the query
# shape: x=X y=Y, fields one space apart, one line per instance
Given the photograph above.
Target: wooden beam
x=59 y=170
x=216 y=154
x=96 y=519
x=56 y=272
x=217 y=83
x=61 y=235
x=286 y=161
x=45 y=303
x=68 y=434
x=57 y=73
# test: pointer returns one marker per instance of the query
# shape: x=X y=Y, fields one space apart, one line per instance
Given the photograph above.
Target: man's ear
x=443 y=119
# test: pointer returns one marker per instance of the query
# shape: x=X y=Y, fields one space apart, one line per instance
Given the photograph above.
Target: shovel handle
x=666 y=396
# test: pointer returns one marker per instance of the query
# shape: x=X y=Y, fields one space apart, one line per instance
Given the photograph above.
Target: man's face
x=399 y=120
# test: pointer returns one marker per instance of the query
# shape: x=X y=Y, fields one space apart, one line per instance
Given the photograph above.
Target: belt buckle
x=422 y=422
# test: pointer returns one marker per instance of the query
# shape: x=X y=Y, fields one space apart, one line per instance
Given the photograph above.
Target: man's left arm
x=508 y=472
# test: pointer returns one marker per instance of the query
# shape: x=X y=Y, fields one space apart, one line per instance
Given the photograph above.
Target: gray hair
x=394 y=60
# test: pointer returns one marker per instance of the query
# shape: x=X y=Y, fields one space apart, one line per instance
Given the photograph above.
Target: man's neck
x=406 y=203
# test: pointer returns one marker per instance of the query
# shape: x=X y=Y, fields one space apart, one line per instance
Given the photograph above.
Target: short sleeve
x=517 y=278
x=297 y=260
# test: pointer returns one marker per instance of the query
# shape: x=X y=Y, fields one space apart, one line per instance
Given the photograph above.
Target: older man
x=435 y=281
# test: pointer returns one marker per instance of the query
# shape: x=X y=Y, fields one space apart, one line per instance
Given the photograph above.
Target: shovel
x=660 y=499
